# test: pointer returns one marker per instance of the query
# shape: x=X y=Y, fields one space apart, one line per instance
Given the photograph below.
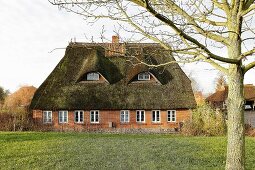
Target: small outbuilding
x=219 y=101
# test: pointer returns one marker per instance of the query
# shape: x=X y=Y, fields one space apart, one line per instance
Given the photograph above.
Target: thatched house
x=105 y=86
x=219 y=100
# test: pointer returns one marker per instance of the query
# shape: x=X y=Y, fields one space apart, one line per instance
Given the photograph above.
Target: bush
x=14 y=122
x=205 y=121
x=249 y=130
x=6 y=122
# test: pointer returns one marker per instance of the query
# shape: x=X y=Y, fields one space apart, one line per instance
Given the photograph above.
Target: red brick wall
x=106 y=116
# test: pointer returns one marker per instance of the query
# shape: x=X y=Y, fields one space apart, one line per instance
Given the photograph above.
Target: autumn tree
x=17 y=105
x=219 y=32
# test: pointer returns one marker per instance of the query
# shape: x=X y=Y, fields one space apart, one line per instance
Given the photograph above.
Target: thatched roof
x=221 y=95
x=63 y=89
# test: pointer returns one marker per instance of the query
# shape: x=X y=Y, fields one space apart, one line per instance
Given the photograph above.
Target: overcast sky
x=30 y=29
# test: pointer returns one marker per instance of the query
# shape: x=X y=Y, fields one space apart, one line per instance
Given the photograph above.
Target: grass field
x=34 y=150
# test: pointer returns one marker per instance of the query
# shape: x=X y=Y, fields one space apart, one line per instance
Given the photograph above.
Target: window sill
x=47 y=123
x=79 y=123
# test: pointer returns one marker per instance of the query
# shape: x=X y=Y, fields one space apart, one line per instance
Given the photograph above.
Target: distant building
x=97 y=86
x=219 y=100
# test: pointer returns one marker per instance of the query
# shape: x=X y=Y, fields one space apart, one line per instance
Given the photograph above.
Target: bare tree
x=192 y=30
x=220 y=82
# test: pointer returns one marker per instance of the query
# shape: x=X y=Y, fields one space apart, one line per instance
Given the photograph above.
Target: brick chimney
x=115 y=39
x=115 y=48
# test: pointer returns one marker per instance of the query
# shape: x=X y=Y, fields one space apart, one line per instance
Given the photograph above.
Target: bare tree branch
x=249 y=66
x=187 y=37
x=248 y=53
x=248 y=10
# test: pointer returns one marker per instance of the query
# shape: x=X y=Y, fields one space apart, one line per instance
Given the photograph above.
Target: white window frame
x=61 y=116
x=139 y=112
x=170 y=117
x=48 y=116
x=157 y=116
x=144 y=76
x=125 y=114
x=93 y=76
x=79 y=116
x=94 y=116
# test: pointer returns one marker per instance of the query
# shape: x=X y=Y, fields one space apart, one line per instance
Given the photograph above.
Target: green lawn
x=34 y=150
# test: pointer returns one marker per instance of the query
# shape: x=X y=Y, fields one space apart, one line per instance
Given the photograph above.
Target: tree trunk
x=235 y=148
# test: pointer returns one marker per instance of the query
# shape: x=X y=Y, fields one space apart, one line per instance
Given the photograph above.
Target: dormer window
x=93 y=76
x=144 y=76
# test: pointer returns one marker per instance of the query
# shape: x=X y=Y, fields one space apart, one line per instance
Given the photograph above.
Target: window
x=47 y=116
x=156 y=116
x=63 y=116
x=140 y=116
x=171 y=116
x=94 y=116
x=93 y=76
x=78 y=116
x=144 y=76
x=124 y=116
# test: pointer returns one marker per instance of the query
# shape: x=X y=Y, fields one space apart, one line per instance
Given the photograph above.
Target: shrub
x=6 y=122
x=249 y=130
x=205 y=121
x=14 y=121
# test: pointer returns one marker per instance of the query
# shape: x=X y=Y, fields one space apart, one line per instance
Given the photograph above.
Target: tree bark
x=236 y=142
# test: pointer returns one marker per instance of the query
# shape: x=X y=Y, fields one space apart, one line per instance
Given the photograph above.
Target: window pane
x=137 y=116
x=173 y=116
x=168 y=116
x=140 y=76
x=92 y=76
x=81 y=116
x=153 y=116
x=76 y=116
x=65 y=116
x=96 y=116
x=126 y=117
x=92 y=116
x=60 y=117
x=146 y=76
x=49 y=116
x=142 y=116
x=158 y=116
x=122 y=116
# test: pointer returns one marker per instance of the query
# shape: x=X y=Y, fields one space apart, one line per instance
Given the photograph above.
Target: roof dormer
x=91 y=77
x=144 y=77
